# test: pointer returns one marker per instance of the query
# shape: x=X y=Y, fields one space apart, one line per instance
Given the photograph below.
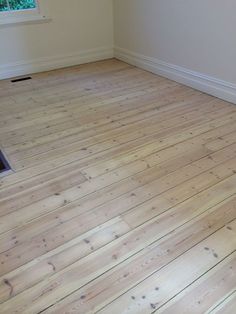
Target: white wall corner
x=207 y=84
x=50 y=63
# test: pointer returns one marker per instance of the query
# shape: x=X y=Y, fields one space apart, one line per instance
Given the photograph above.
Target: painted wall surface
x=197 y=35
x=76 y=26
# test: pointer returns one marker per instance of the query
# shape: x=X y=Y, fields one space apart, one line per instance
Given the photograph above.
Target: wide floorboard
x=122 y=195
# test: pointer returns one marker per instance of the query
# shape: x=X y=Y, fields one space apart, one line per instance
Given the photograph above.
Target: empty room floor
x=122 y=194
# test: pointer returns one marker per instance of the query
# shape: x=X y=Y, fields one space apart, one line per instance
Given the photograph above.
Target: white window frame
x=36 y=15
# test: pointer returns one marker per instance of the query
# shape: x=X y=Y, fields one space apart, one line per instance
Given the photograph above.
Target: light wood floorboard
x=122 y=195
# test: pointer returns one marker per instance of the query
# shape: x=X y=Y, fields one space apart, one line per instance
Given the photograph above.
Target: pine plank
x=121 y=180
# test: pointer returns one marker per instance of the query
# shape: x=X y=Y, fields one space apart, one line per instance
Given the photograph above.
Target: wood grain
x=122 y=197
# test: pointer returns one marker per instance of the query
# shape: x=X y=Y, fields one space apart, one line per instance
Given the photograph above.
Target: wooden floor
x=122 y=198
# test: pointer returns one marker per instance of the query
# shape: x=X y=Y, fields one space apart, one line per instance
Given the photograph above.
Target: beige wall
x=76 y=26
x=198 y=35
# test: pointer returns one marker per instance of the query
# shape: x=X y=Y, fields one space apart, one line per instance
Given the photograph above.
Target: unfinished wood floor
x=123 y=195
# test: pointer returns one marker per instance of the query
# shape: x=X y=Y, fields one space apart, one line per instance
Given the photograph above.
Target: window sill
x=11 y=21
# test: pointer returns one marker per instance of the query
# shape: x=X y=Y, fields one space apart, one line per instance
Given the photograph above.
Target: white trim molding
x=207 y=84
x=50 y=63
x=30 y=19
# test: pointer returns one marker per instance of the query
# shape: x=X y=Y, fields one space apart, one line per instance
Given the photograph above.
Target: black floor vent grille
x=21 y=79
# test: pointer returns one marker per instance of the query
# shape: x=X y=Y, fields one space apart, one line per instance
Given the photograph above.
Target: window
x=22 y=11
x=14 y=5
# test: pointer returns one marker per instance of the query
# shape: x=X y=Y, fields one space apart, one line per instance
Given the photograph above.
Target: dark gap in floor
x=4 y=165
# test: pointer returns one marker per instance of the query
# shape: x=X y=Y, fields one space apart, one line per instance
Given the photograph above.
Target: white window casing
x=38 y=15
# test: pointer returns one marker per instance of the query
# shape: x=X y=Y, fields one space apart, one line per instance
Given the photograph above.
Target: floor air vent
x=4 y=165
x=26 y=78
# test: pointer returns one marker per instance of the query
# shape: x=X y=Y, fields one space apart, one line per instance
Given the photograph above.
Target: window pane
x=22 y=4
x=3 y=5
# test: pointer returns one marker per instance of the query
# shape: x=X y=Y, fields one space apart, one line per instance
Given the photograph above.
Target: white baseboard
x=50 y=63
x=202 y=82
x=210 y=85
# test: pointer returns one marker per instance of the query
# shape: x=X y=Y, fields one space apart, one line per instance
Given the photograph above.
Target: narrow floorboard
x=122 y=197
